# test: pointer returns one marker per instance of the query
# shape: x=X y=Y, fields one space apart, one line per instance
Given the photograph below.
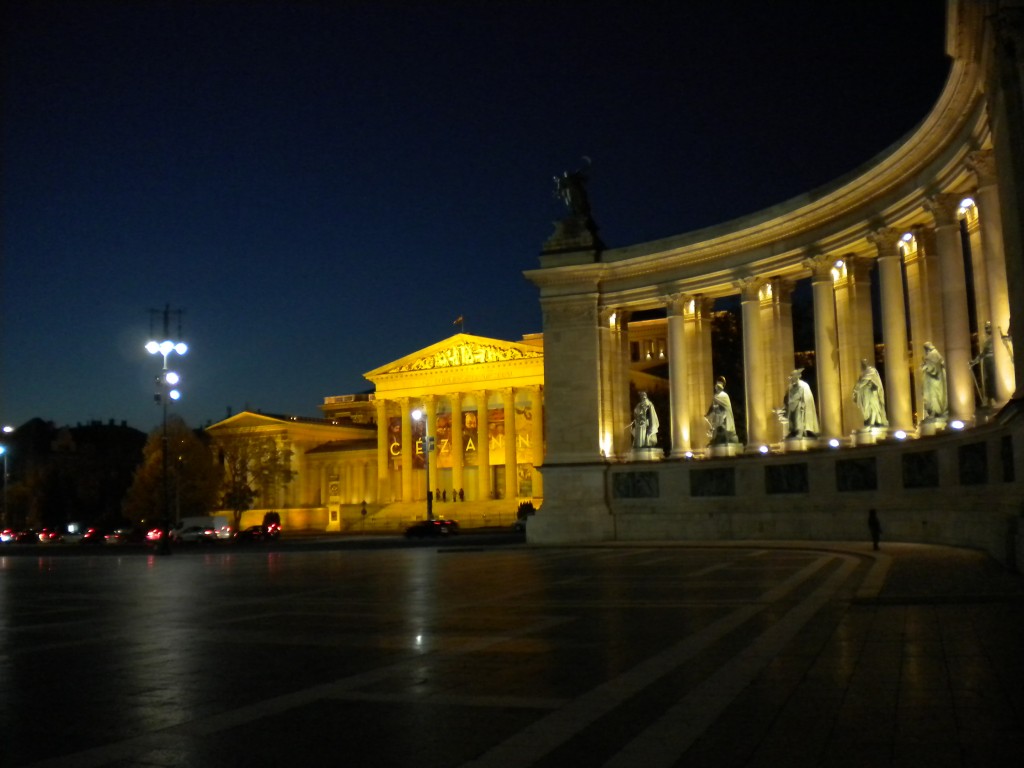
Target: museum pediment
x=461 y=350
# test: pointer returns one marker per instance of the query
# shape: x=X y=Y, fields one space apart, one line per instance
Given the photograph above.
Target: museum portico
x=922 y=243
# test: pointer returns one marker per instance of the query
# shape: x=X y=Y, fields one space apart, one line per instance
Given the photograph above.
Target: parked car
x=259 y=533
x=194 y=534
x=428 y=528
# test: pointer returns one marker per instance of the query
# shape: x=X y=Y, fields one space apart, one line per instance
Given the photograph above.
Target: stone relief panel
x=786 y=478
x=921 y=469
x=973 y=460
x=720 y=481
x=856 y=475
x=467 y=353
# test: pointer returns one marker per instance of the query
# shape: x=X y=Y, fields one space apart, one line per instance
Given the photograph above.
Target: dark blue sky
x=323 y=187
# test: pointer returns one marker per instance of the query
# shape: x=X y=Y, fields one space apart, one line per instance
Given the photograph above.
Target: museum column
x=613 y=332
x=957 y=351
x=753 y=363
x=698 y=369
x=894 y=329
x=536 y=440
x=990 y=223
x=458 y=444
x=383 y=458
x=407 y=449
x=430 y=429
x=508 y=404
x=483 y=447
x=826 y=347
x=918 y=301
x=1005 y=100
x=677 y=363
x=777 y=322
x=854 y=330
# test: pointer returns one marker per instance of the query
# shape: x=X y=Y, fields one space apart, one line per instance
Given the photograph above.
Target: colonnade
x=463 y=431
x=922 y=296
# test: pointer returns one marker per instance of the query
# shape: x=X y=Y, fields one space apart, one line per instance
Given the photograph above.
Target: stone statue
x=719 y=416
x=986 y=365
x=572 y=189
x=645 y=423
x=869 y=395
x=936 y=405
x=799 y=407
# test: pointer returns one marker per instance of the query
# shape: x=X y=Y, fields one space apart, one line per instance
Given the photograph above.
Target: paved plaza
x=505 y=656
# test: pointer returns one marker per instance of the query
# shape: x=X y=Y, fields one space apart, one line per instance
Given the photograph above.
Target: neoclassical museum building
x=924 y=242
x=869 y=363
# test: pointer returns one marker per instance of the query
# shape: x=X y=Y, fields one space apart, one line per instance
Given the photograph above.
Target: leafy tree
x=193 y=478
x=255 y=466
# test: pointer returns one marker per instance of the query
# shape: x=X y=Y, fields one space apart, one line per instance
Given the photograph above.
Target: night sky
x=323 y=187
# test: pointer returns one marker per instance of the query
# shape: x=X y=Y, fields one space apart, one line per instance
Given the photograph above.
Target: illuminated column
x=777 y=323
x=894 y=328
x=458 y=451
x=613 y=335
x=430 y=429
x=826 y=346
x=677 y=364
x=508 y=404
x=483 y=447
x=697 y=327
x=854 y=330
x=918 y=300
x=753 y=363
x=1005 y=102
x=407 y=449
x=994 y=258
x=383 y=457
x=537 y=439
x=954 y=303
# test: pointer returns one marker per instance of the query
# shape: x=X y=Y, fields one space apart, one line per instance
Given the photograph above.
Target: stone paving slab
x=753 y=654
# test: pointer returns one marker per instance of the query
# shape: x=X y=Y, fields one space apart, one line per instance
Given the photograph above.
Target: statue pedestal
x=930 y=427
x=654 y=453
x=799 y=444
x=868 y=435
x=724 y=449
x=984 y=415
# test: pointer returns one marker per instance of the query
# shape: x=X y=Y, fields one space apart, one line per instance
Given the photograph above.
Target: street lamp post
x=167 y=389
x=3 y=450
x=428 y=446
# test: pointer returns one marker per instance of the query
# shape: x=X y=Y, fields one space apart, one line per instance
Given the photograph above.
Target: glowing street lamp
x=167 y=382
x=428 y=446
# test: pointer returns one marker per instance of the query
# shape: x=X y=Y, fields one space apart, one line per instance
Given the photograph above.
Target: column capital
x=750 y=287
x=675 y=304
x=886 y=240
x=983 y=164
x=925 y=237
x=821 y=265
x=943 y=207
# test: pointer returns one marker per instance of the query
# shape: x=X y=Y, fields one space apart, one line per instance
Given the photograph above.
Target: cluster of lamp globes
x=168 y=379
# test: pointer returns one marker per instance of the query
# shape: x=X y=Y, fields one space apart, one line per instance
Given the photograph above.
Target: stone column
x=677 y=373
x=826 y=345
x=855 y=333
x=957 y=349
x=430 y=429
x=508 y=402
x=537 y=440
x=483 y=447
x=613 y=332
x=994 y=259
x=919 y=302
x=407 y=449
x=753 y=363
x=777 y=322
x=1004 y=91
x=698 y=369
x=894 y=328
x=383 y=457
x=458 y=451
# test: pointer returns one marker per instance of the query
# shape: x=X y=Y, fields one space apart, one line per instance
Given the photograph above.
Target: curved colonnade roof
x=890 y=190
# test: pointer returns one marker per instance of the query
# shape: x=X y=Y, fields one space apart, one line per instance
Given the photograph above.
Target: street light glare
x=416 y=414
x=172 y=377
x=152 y=347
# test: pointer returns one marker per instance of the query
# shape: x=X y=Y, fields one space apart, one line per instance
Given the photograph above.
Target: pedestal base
x=930 y=427
x=869 y=435
x=724 y=449
x=799 y=444
x=654 y=453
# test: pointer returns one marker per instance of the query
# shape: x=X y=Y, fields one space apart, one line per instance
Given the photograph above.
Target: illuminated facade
x=900 y=224
x=484 y=403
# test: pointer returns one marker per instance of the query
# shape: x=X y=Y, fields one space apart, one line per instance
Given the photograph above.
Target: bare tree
x=255 y=467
